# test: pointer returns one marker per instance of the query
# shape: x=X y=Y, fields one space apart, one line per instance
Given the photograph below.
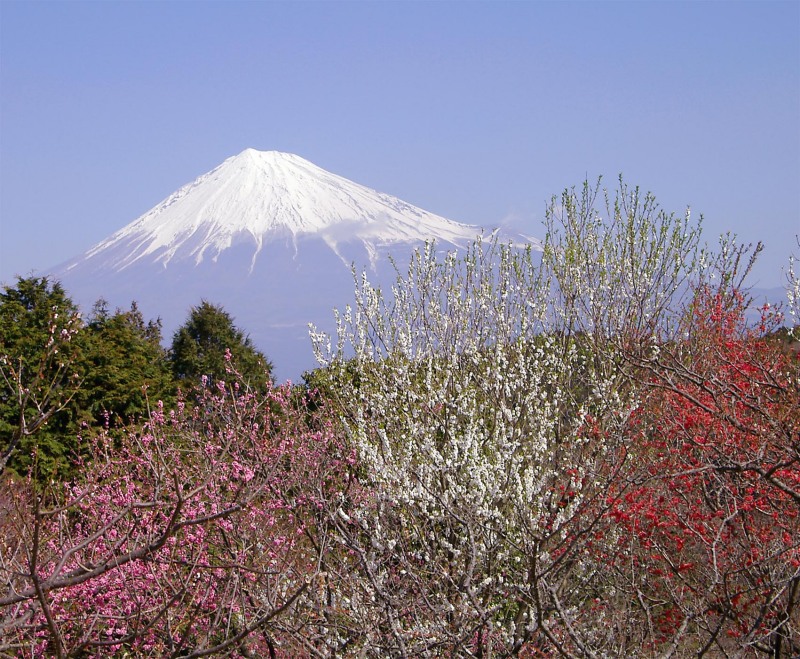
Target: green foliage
x=126 y=366
x=199 y=349
x=41 y=365
x=63 y=378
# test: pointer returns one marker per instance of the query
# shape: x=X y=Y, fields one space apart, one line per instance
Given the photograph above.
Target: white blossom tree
x=486 y=405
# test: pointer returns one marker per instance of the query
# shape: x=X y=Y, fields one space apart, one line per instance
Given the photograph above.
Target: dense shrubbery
x=589 y=453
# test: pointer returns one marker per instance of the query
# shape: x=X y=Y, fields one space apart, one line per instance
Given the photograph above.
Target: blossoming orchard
x=588 y=451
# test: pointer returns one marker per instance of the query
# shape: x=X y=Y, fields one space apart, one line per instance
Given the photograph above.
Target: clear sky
x=475 y=111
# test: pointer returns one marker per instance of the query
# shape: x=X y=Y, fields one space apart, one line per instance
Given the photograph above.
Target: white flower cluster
x=481 y=397
x=793 y=296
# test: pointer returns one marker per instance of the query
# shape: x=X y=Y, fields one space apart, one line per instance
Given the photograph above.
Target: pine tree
x=62 y=380
x=41 y=370
x=126 y=366
x=199 y=349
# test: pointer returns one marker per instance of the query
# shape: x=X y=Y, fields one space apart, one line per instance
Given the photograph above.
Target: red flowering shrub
x=707 y=519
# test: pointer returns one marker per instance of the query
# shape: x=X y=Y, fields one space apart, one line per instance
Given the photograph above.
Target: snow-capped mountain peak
x=258 y=196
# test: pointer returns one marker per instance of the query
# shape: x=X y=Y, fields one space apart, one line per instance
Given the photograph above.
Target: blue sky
x=475 y=111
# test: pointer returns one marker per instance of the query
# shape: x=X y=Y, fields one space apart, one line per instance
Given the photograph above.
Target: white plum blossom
x=485 y=399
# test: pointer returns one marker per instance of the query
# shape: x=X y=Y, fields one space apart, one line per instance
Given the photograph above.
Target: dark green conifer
x=41 y=371
x=127 y=367
x=200 y=344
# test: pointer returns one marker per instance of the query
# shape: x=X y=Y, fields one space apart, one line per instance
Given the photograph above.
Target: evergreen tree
x=200 y=344
x=126 y=366
x=41 y=371
x=62 y=379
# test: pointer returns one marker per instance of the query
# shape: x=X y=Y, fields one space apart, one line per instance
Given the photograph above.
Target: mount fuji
x=271 y=238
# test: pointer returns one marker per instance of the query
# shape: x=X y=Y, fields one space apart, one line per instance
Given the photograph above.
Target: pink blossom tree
x=200 y=532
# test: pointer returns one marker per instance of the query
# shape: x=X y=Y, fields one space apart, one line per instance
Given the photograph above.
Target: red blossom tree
x=705 y=535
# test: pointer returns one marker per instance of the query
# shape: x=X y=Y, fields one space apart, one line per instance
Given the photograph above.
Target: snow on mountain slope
x=258 y=196
x=267 y=235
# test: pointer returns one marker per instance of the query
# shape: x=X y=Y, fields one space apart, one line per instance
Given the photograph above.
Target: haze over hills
x=269 y=236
